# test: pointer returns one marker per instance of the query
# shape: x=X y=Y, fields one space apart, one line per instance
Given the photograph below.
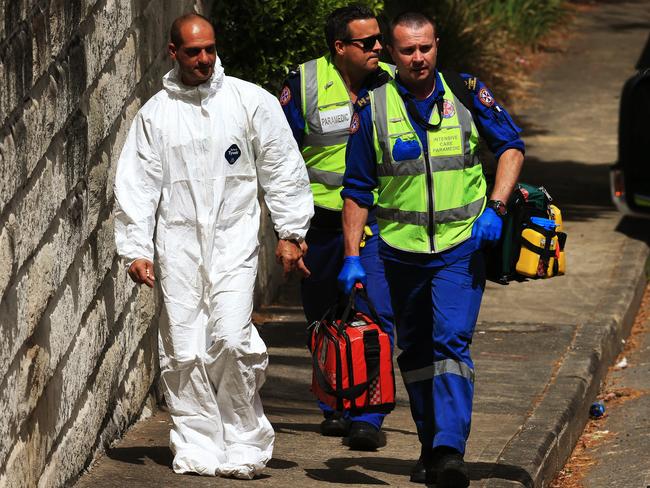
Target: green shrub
x=261 y=40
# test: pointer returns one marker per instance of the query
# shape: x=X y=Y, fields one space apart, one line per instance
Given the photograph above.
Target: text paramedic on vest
x=190 y=169
x=318 y=100
x=434 y=218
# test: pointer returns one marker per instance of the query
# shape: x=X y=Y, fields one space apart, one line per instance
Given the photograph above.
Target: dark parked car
x=630 y=176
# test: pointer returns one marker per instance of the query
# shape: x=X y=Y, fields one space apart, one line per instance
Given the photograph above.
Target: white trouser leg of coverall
x=212 y=367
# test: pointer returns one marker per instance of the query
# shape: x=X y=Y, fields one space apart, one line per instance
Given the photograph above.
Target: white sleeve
x=281 y=169
x=138 y=184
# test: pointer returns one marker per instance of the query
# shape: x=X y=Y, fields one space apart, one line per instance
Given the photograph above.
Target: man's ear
x=338 y=47
x=171 y=49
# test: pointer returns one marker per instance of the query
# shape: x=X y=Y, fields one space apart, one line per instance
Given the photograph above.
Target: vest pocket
x=404 y=150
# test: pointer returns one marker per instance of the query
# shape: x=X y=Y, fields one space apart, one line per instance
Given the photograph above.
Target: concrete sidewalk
x=541 y=347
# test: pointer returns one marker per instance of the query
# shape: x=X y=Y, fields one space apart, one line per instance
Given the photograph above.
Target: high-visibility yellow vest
x=327 y=110
x=427 y=204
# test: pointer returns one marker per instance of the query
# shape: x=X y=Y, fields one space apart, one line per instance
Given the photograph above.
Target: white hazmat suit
x=190 y=169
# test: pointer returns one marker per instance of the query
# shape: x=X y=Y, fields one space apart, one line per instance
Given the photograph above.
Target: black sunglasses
x=367 y=43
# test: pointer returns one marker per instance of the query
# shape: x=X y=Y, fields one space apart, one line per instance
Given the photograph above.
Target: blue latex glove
x=351 y=273
x=488 y=227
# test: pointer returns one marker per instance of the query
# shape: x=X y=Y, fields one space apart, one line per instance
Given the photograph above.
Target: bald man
x=190 y=170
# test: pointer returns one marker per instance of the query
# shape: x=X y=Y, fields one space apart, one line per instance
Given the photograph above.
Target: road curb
x=547 y=437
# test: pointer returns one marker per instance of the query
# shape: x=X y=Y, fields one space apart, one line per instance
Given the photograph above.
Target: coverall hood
x=175 y=87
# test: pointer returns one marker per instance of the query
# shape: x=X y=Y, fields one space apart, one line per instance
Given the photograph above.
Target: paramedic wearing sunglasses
x=190 y=169
x=434 y=217
x=318 y=101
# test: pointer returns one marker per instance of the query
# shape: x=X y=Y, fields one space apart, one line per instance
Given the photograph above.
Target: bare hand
x=141 y=271
x=289 y=254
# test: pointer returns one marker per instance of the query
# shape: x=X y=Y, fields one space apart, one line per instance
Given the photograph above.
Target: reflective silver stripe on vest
x=331 y=139
x=311 y=95
x=380 y=117
x=325 y=177
x=448 y=163
x=438 y=368
x=440 y=216
x=441 y=163
x=312 y=117
x=410 y=167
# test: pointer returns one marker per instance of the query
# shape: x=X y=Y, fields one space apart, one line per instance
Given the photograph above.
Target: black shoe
x=364 y=437
x=419 y=471
x=335 y=426
x=450 y=469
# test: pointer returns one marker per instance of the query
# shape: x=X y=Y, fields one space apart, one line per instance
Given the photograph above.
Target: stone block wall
x=78 y=350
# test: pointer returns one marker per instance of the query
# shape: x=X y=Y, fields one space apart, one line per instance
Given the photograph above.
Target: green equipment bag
x=527 y=249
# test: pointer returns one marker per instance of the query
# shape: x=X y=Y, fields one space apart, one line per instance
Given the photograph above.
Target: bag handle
x=349 y=311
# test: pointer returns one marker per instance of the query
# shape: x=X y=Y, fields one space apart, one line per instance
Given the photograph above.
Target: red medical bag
x=352 y=360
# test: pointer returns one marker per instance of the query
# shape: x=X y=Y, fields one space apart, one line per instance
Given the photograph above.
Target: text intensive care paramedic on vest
x=189 y=169
x=318 y=102
x=417 y=143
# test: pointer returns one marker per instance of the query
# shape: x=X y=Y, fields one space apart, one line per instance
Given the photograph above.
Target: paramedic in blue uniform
x=417 y=143
x=318 y=100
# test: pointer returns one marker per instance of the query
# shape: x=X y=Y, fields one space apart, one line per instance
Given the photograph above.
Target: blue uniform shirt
x=290 y=101
x=492 y=121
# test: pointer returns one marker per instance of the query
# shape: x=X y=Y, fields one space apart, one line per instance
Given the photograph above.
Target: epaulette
x=363 y=101
x=293 y=73
x=471 y=83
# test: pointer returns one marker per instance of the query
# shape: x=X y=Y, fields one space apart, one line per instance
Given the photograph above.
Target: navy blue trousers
x=436 y=308
x=320 y=291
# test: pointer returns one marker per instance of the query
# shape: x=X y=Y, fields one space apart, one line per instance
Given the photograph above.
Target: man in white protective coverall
x=190 y=169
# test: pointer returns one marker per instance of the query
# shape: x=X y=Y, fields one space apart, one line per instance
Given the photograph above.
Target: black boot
x=419 y=471
x=335 y=425
x=365 y=437
x=449 y=470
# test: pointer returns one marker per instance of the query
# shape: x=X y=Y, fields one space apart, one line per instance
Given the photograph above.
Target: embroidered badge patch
x=485 y=97
x=232 y=154
x=354 y=124
x=448 y=110
x=285 y=96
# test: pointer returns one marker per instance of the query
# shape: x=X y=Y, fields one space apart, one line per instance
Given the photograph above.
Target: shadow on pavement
x=341 y=470
x=290 y=427
x=623 y=26
x=294 y=361
x=136 y=455
x=580 y=190
x=635 y=228
x=284 y=336
x=276 y=463
x=480 y=471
